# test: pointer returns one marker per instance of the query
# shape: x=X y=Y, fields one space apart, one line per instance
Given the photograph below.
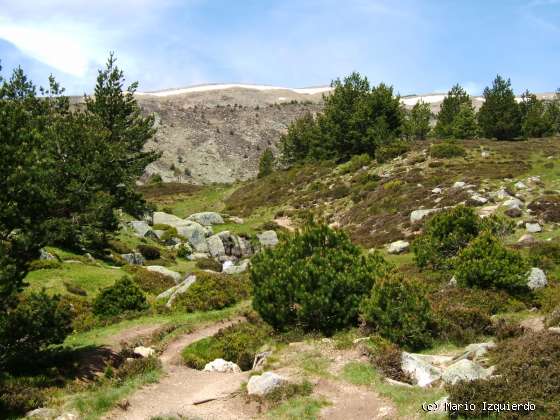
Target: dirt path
x=182 y=386
x=132 y=334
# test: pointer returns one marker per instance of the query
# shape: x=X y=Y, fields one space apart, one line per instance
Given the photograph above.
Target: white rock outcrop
x=264 y=384
x=398 y=247
x=536 y=279
x=221 y=365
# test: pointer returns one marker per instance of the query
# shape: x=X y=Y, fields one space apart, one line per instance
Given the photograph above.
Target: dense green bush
x=417 y=121
x=398 y=310
x=209 y=264
x=17 y=397
x=357 y=162
x=35 y=323
x=183 y=251
x=121 y=297
x=527 y=370
x=444 y=235
x=455 y=100
x=213 y=291
x=315 y=279
x=152 y=281
x=447 y=149
x=266 y=163
x=499 y=116
x=149 y=252
x=391 y=150
x=44 y=265
x=461 y=324
x=486 y=263
x=137 y=367
x=238 y=343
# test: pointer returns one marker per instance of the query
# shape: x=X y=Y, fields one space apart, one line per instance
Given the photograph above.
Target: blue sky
x=417 y=46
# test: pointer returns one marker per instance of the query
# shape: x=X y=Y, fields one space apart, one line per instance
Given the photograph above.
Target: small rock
x=453 y=281
x=526 y=239
x=513 y=212
x=235 y=269
x=555 y=330
x=459 y=184
x=45 y=255
x=501 y=194
x=418 y=215
x=465 y=370
x=484 y=154
x=513 y=203
x=134 y=258
x=520 y=185
x=236 y=220
x=478 y=199
x=221 y=365
x=43 y=412
x=268 y=238
x=536 y=279
x=533 y=227
x=264 y=384
x=140 y=227
x=437 y=190
x=144 y=351
x=398 y=247
x=207 y=218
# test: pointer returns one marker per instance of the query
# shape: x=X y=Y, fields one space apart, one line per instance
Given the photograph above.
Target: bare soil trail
x=182 y=386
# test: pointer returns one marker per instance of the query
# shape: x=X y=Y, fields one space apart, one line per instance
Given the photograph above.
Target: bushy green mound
x=37 y=322
x=316 y=279
x=149 y=252
x=121 y=297
x=527 y=370
x=487 y=264
x=152 y=281
x=391 y=150
x=398 y=310
x=447 y=149
x=209 y=264
x=238 y=343
x=214 y=291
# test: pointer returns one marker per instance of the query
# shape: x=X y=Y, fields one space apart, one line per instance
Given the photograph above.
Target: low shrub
x=137 y=367
x=152 y=281
x=390 y=151
x=444 y=235
x=213 y=291
x=462 y=324
x=17 y=397
x=238 y=343
x=36 y=322
x=119 y=247
x=183 y=251
x=487 y=264
x=314 y=279
x=398 y=310
x=209 y=264
x=389 y=362
x=123 y=296
x=44 y=265
x=504 y=329
x=447 y=149
x=527 y=370
x=357 y=162
x=545 y=255
x=75 y=290
x=149 y=252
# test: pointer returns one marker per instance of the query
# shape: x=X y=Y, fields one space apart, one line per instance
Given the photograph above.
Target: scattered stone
x=207 y=218
x=513 y=212
x=264 y=384
x=166 y=272
x=555 y=330
x=422 y=372
x=501 y=194
x=484 y=154
x=398 y=247
x=236 y=220
x=465 y=370
x=478 y=199
x=520 y=185
x=453 y=281
x=437 y=190
x=526 y=239
x=513 y=202
x=536 y=279
x=487 y=211
x=268 y=238
x=235 y=269
x=459 y=184
x=198 y=256
x=43 y=412
x=140 y=227
x=45 y=255
x=260 y=359
x=533 y=227
x=418 y=215
x=134 y=258
x=215 y=246
x=144 y=351
x=221 y=365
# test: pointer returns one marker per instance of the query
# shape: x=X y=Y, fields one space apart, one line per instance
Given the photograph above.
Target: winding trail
x=182 y=386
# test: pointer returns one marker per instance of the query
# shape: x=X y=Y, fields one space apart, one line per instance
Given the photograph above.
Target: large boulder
x=195 y=234
x=264 y=384
x=268 y=238
x=418 y=215
x=215 y=246
x=134 y=258
x=423 y=372
x=235 y=246
x=536 y=279
x=162 y=218
x=465 y=370
x=398 y=247
x=221 y=365
x=207 y=218
x=140 y=227
x=165 y=271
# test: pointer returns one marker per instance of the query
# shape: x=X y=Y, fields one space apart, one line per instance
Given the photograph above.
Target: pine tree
x=266 y=164
x=535 y=120
x=417 y=121
x=499 y=116
x=464 y=125
x=456 y=98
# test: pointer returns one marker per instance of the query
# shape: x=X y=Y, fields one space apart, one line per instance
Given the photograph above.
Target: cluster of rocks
x=429 y=370
x=196 y=233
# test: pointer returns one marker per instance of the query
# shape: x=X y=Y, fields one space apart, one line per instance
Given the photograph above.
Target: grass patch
x=407 y=400
x=306 y=408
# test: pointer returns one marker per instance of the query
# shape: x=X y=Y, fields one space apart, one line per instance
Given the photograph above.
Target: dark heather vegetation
x=122 y=297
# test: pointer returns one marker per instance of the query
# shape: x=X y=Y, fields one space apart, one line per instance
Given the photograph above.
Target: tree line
x=359 y=118
x=67 y=172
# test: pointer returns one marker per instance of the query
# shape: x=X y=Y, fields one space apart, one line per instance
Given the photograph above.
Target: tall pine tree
x=499 y=116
